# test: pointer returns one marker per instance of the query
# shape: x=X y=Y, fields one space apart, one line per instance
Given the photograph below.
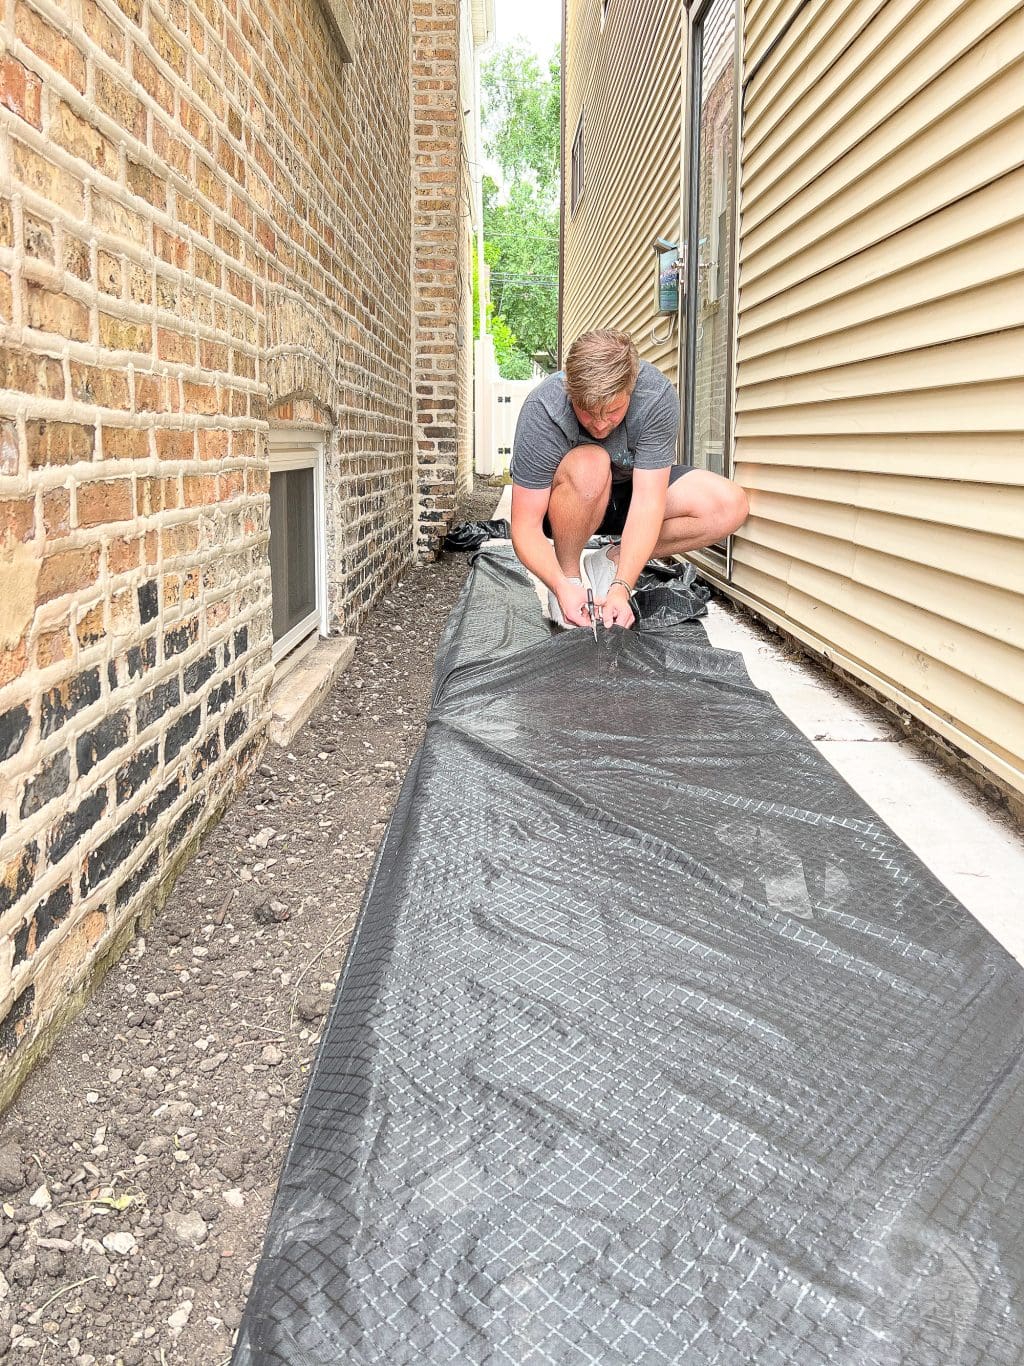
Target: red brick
x=13 y=663
x=90 y=626
x=17 y=519
x=151 y=394
x=67 y=571
x=125 y=443
x=102 y=31
x=92 y=384
x=175 y=445
x=53 y=647
x=56 y=313
x=21 y=91
x=174 y=346
x=50 y=44
x=213 y=445
x=38 y=239
x=116 y=100
x=124 y=553
x=58 y=443
x=146 y=185
x=84 y=141
x=118 y=334
x=46 y=179
x=168 y=47
x=57 y=512
x=200 y=489
x=104 y=501
x=155 y=85
x=31 y=374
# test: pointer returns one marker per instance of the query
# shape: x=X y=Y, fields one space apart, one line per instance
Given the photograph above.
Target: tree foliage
x=521 y=121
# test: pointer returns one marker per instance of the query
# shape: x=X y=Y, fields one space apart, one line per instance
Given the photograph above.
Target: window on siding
x=576 y=193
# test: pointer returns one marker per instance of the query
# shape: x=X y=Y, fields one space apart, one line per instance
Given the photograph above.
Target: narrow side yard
x=138 y=1165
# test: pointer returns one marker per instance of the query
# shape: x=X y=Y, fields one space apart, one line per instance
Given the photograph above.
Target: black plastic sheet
x=471 y=535
x=653 y=1045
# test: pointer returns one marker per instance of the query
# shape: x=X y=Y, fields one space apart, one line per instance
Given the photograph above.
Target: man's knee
x=586 y=471
x=735 y=506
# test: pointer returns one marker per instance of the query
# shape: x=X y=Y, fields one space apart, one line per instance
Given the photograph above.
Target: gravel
x=138 y=1165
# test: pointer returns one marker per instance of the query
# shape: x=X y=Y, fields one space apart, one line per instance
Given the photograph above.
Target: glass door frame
x=719 y=555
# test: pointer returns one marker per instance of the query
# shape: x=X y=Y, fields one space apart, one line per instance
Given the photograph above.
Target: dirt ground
x=138 y=1165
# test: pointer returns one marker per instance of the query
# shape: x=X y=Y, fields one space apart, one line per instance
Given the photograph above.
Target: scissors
x=592 y=609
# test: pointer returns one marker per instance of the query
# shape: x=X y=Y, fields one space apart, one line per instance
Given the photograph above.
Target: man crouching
x=594 y=452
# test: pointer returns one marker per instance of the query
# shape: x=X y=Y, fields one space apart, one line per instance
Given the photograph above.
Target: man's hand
x=616 y=609
x=572 y=598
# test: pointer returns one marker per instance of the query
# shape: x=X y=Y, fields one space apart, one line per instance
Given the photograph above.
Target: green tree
x=521 y=120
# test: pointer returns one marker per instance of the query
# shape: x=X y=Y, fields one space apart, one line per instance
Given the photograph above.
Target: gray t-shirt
x=548 y=429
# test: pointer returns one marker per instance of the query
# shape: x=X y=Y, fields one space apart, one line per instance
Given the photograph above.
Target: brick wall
x=204 y=218
x=442 y=283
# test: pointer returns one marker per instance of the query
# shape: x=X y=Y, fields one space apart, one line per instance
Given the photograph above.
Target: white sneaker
x=599 y=571
x=555 y=609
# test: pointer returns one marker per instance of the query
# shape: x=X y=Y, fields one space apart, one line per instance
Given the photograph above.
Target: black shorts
x=614 y=518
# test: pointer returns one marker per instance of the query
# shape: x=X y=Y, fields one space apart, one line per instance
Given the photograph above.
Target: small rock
x=209 y=1265
x=272 y=1055
x=181 y=1315
x=232 y=1165
x=262 y=837
x=12 y=1172
x=234 y=1198
x=311 y=1005
x=122 y=1243
x=41 y=1197
x=188 y=1228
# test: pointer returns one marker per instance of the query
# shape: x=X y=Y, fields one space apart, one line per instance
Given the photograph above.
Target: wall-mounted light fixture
x=666 y=285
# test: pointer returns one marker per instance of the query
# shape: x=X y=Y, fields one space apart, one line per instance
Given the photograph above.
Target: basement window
x=576 y=192
x=297 y=563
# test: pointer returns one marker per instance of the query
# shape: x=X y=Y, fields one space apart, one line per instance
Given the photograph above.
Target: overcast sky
x=538 y=22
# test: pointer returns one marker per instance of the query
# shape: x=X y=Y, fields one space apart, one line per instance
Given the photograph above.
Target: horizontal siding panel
x=825 y=65
x=763 y=22
x=994 y=407
x=908 y=84
x=880 y=317
x=974 y=360
x=785 y=523
x=998 y=720
x=831 y=238
x=960 y=598
x=820 y=35
x=995 y=458
x=791 y=289
x=979 y=507
x=935 y=326
x=848 y=192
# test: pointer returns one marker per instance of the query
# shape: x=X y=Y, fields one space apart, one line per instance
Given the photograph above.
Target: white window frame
x=299 y=449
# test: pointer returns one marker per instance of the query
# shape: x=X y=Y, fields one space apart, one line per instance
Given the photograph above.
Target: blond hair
x=600 y=366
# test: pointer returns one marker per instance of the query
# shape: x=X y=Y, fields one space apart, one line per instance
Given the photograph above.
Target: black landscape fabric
x=653 y=1045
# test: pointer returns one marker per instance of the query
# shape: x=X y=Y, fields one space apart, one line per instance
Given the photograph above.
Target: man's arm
x=639 y=537
x=537 y=553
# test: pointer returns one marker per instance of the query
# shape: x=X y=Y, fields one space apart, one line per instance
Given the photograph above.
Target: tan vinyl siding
x=628 y=81
x=880 y=351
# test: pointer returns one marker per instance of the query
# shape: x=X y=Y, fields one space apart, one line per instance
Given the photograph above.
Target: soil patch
x=138 y=1165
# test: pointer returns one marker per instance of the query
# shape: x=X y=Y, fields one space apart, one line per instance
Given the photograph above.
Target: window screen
x=292 y=548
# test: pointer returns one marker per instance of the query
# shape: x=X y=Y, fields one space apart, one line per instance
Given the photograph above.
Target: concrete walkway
x=972 y=846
